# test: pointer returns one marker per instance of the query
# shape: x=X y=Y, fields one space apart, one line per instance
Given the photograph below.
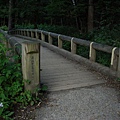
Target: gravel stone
x=90 y=103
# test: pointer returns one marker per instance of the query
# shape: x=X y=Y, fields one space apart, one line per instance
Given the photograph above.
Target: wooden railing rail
x=30 y=51
x=40 y=34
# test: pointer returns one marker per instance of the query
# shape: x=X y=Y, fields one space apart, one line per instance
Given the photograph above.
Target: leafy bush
x=65 y=30
x=106 y=35
x=12 y=91
x=5 y=28
x=25 y=26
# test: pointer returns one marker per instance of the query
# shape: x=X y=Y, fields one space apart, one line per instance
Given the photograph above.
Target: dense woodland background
x=96 y=20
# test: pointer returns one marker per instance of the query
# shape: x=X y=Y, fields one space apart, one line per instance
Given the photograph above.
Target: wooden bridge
x=60 y=69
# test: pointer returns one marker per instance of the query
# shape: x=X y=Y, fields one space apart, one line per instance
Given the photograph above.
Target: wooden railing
x=30 y=51
x=42 y=35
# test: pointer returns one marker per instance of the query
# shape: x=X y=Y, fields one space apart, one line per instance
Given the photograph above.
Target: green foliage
x=106 y=35
x=25 y=26
x=103 y=58
x=66 y=45
x=83 y=51
x=12 y=91
x=10 y=83
x=65 y=30
x=5 y=28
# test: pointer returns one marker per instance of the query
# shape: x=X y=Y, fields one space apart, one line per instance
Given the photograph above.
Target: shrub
x=5 y=28
x=12 y=90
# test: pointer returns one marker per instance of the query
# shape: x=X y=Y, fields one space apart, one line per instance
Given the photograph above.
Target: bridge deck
x=60 y=73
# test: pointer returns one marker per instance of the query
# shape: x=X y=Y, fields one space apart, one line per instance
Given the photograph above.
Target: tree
x=76 y=17
x=90 y=16
x=11 y=20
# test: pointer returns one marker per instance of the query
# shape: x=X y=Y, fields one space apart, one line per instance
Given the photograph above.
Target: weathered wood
x=36 y=34
x=104 y=48
x=82 y=42
x=45 y=32
x=59 y=42
x=92 y=53
x=32 y=34
x=31 y=65
x=65 y=38
x=73 y=46
x=114 y=60
x=75 y=41
x=30 y=59
x=54 y=35
x=28 y=33
x=24 y=33
x=50 y=40
x=118 y=71
x=42 y=36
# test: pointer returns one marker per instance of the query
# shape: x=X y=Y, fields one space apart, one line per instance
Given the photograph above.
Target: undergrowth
x=12 y=91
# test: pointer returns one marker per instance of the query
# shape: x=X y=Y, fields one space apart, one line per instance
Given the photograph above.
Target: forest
x=96 y=20
x=83 y=15
x=93 y=20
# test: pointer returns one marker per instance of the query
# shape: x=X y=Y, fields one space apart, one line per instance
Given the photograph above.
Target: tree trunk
x=90 y=16
x=11 y=20
x=76 y=18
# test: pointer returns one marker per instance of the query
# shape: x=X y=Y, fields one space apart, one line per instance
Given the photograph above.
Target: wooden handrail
x=115 y=53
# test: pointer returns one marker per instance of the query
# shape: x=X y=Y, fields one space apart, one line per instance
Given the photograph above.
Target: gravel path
x=90 y=103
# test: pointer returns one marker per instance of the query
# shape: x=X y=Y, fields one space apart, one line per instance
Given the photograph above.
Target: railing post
x=32 y=34
x=37 y=34
x=73 y=46
x=24 y=33
x=114 y=60
x=50 y=38
x=92 y=53
x=31 y=65
x=118 y=71
x=42 y=36
x=59 y=42
x=28 y=34
x=21 y=32
x=17 y=32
